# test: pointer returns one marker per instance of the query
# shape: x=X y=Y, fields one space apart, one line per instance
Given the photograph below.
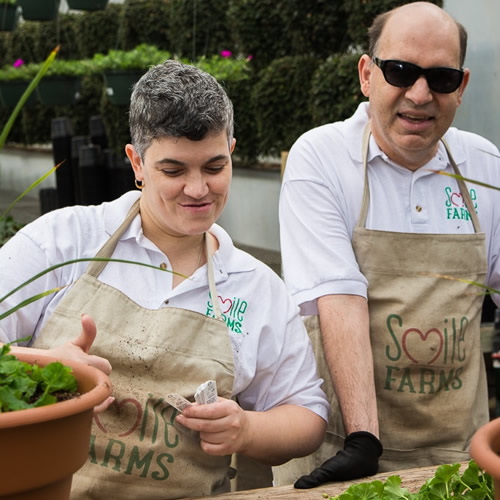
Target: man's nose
x=419 y=93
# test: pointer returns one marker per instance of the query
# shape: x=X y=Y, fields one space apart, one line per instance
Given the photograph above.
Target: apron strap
x=95 y=268
x=366 y=191
x=211 y=277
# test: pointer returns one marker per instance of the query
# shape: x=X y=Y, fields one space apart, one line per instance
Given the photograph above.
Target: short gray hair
x=178 y=100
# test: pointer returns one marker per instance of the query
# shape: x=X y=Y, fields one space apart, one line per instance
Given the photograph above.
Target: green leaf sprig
x=24 y=386
x=446 y=484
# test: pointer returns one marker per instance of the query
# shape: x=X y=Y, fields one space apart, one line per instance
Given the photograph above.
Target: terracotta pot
x=41 y=448
x=484 y=449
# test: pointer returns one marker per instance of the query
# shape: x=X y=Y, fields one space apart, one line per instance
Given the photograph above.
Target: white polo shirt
x=321 y=199
x=274 y=361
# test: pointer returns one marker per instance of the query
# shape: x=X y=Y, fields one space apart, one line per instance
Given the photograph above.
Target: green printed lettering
x=241 y=310
x=92 y=455
x=237 y=327
x=108 y=454
x=457 y=382
x=168 y=424
x=445 y=381
x=155 y=428
x=464 y=323
x=230 y=323
x=135 y=461
x=454 y=327
x=389 y=378
x=445 y=353
x=449 y=212
x=394 y=338
x=145 y=419
x=429 y=382
x=406 y=381
x=159 y=460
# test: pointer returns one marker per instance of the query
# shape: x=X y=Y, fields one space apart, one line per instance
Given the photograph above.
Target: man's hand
x=359 y=458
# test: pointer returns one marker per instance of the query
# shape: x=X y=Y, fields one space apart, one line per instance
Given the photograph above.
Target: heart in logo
x=123 y=417
x=457 y=199
x=224 y=302
x=421 y=344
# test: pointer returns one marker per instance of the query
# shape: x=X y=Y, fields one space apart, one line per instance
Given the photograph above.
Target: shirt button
x=166 y=302
x=163 y=266
x=418 y=208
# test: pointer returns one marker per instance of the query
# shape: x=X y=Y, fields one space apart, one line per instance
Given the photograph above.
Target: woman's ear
x=135 y=161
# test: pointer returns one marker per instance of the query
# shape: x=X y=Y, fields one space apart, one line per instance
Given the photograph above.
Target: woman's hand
x=77 y=350
x=223 y=426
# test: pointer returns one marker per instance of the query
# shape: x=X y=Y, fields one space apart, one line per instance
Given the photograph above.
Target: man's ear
x=365 y=66
x=135 y=161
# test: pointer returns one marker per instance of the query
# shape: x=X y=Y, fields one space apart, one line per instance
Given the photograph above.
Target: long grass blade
x=26 y=191
x=30 y=300
x=472 y=181
x=74 y=261
x=31 y=87
x=488 y=289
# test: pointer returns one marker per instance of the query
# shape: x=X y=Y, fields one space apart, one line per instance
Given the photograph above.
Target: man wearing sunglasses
x=379 y=251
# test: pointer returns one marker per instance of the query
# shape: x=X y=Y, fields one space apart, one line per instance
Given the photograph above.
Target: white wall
x=480 y=109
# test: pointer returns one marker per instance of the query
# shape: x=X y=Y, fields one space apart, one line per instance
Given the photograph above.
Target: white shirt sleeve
x=315 y=227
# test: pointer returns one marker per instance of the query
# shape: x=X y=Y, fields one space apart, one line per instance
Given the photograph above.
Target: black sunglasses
x=404 y=74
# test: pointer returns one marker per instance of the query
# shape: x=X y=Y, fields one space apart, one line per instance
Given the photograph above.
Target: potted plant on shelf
x=87 y=4
x=61 y=84
x=9 y=15
x=35 y=10
x=14 y=80
x=122 y=69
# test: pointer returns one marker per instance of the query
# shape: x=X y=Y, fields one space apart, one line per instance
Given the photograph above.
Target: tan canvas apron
x=429 y=372
x=137 y=448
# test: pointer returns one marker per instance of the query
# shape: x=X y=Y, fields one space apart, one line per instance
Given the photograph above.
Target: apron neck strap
x=366 y=191
x=95 y=267
x=211 y=276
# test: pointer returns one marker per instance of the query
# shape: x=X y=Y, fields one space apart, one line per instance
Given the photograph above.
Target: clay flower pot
x=41 y=448
x=484 y=449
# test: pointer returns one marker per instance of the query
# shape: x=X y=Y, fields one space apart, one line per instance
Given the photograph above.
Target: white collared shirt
x=321 y=198
x=274 y=361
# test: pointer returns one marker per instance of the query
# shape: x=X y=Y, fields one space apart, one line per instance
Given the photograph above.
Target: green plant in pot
x=87 y=4
x=36 y=10
x=61 y=84
x=14 y=80
x=123 y=68
x=9 y=15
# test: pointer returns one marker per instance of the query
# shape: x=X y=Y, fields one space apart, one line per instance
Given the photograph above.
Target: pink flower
x=17 y=63
x=249 y=57
x=226 y=53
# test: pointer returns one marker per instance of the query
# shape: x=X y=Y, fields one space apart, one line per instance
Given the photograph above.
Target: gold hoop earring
x=139 y=184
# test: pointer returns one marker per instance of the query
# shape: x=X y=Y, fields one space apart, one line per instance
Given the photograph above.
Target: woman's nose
x=196 y=186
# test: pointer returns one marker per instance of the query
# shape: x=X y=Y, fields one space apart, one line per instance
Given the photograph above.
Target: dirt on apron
x=430 y=376
x=137 y=449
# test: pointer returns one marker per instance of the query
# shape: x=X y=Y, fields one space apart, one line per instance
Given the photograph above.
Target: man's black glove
x=359 y=458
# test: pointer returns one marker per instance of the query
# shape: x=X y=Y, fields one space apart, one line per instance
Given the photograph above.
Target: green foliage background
x=302 y=73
